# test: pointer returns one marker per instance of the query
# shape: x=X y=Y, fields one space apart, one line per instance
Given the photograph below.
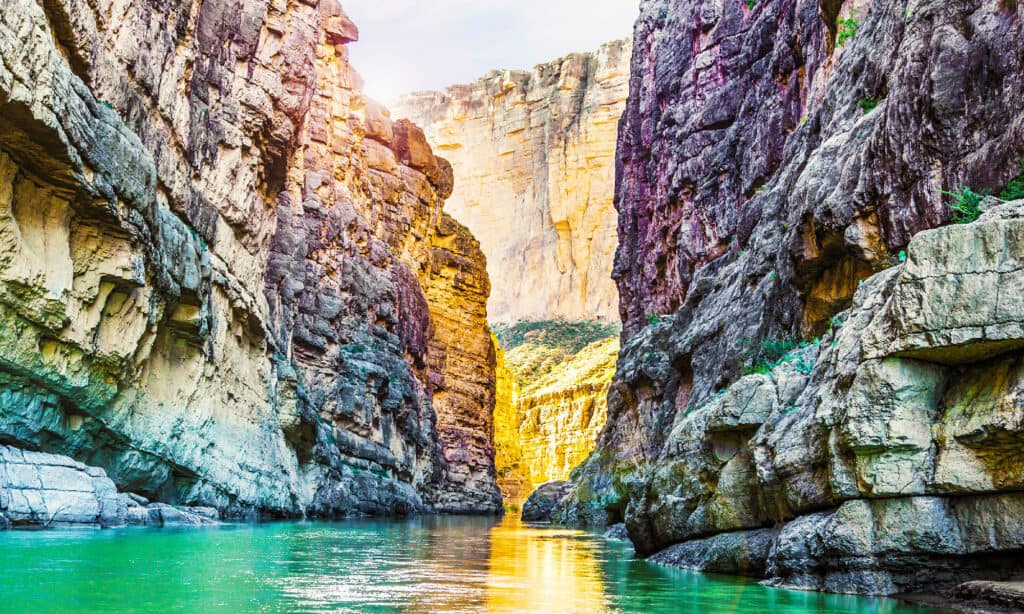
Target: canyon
x=533 y=157
x=226 y=276
x=769 y=323
x=534 y=160
x=819 y=381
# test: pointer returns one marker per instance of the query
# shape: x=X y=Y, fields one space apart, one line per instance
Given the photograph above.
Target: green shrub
x=868 y=104
x=750 y=4
x=847 y=29
x=653 y=319
x=774 y=352
x=1015 y=189
x=570 y=335
x=966 y=205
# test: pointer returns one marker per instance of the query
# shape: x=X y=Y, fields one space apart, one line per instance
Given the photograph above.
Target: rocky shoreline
x=44 y=491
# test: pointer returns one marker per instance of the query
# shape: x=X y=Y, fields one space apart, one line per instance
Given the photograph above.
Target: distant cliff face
x=816 y=384
x=533 y=154
x=225 y=275
x=553 y=383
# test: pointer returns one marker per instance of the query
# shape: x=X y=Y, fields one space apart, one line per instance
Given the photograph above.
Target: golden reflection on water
x=542 y=570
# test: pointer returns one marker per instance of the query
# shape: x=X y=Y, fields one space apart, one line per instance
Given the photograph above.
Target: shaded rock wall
x=886 y=466
x=772 y=159
x=533 y=153
x=225 y=275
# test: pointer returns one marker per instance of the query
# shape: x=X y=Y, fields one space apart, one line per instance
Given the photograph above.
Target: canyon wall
x=818 y=385
x=553 y=381
x=225 y=275
x=533 y=153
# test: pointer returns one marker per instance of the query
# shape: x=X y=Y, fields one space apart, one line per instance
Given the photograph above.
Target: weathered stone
x=46 y=490
x=1006 y=596
x=743 y=553
x=617 y=532
x=959 y=300
x=542 y=501
x=533 y=154
x=888 y=546
x=225 y=276
x=162 y=515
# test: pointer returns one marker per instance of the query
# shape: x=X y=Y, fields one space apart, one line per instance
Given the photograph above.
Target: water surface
x=419 y=565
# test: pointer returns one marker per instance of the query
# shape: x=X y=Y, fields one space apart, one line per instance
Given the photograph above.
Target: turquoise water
x=421 y=565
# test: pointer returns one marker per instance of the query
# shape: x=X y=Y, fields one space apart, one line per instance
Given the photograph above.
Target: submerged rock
x=162 y=515
x=742 y=553
x=542 y=501
x=617 y=532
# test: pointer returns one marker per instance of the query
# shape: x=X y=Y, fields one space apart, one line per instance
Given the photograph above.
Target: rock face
x=883 y=455
x=542 y=501
x=46 y=490
x=777 y=165
x=554 y=379
x=225 y=275
x=533 y=154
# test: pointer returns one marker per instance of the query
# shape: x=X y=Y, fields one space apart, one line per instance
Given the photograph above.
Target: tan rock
x=534 y=160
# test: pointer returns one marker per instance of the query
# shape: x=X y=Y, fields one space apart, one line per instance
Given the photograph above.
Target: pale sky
x=407 y=45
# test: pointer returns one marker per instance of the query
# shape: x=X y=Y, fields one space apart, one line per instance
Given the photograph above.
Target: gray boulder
x=163 y=515
x=542 y=502
x=40 y=490
x=742 y=553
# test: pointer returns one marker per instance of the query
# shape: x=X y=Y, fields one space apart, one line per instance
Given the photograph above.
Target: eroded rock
x=542 y=501
x=225 y=275
x=533 y=153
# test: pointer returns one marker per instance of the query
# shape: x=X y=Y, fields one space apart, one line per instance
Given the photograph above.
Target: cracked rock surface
x=226 y=276
x=810 y=347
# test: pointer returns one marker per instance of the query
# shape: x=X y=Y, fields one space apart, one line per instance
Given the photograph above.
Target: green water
x=422 y=565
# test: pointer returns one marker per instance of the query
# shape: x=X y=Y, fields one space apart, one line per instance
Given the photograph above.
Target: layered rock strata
x=881 y=456
x=533 y=153
x=554 y=380
x=779 y=166
x=226 y=276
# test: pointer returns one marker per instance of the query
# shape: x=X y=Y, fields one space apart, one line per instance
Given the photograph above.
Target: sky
x=409 y=45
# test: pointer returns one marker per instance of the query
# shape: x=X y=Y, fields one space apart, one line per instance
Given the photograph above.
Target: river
x=418 y=565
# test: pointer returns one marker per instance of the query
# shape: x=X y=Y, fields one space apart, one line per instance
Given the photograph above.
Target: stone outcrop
x=543 y=500
x=801 y=353
x=225 y=275
x=42 y=491
x=533 y=153
x=553 y=379
x=884 y=455
x=46 y=490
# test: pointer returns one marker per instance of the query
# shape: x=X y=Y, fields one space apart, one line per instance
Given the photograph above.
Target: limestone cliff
x=557 y=375
x=817 y=386
x=533 y=153
x=225 y=275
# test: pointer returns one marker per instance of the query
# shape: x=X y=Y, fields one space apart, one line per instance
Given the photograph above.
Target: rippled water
x=422 y=565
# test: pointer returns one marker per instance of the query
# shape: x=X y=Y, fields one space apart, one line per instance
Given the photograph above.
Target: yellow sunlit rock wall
x=551 y=401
